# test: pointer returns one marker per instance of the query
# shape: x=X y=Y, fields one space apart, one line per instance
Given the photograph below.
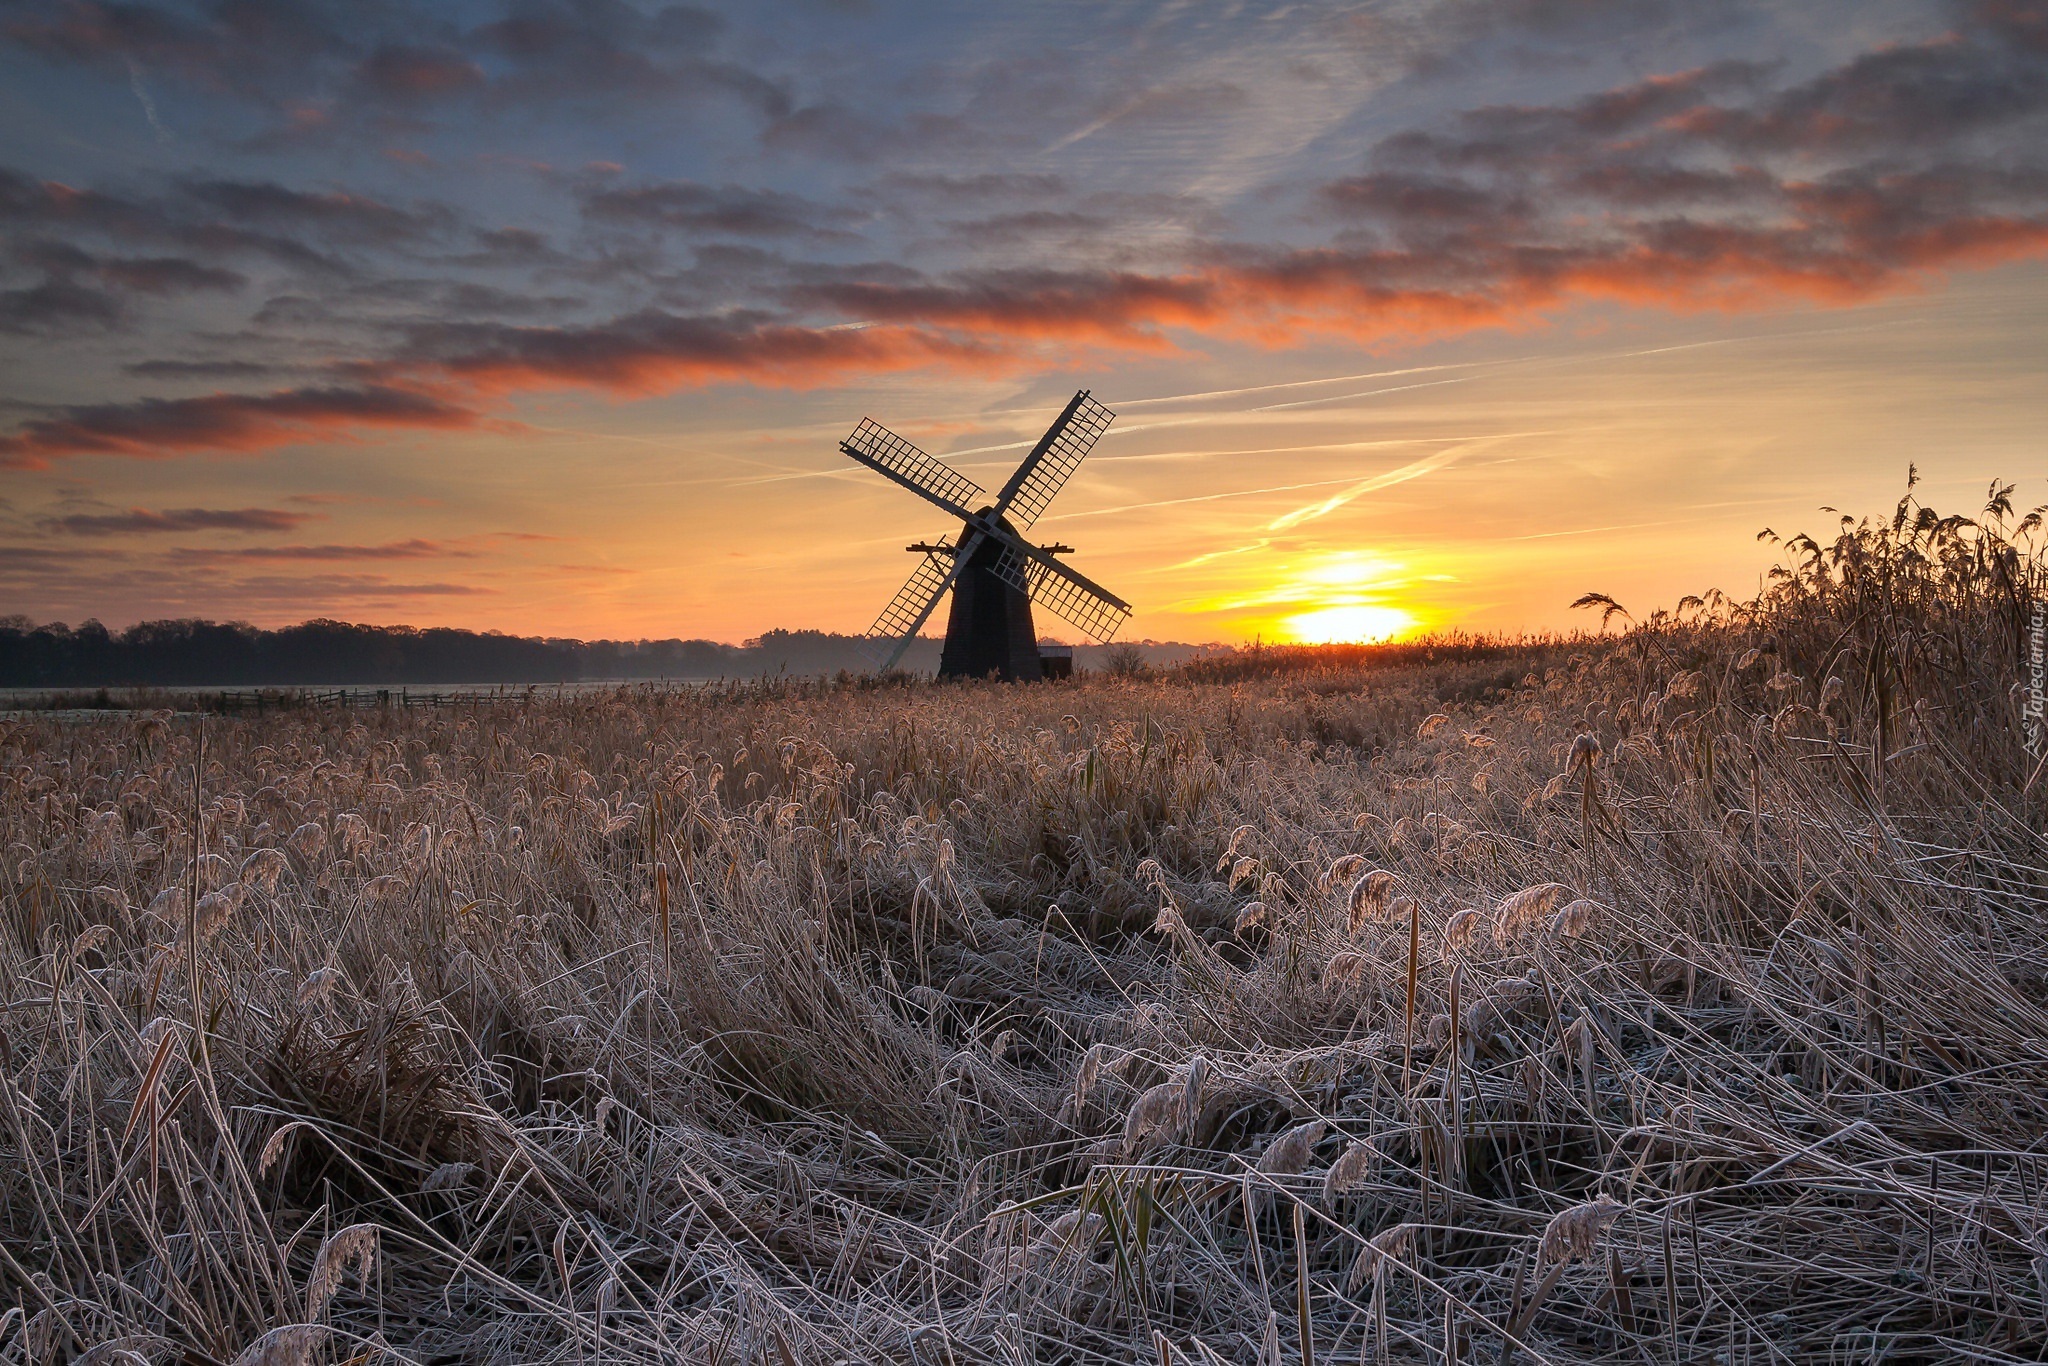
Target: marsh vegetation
x=1679 y=994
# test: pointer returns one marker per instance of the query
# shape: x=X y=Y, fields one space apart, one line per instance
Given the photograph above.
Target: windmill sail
x=1051 y=584
x=888 y=454
x=912 y=606
x=992 y=572
x=1053 y=460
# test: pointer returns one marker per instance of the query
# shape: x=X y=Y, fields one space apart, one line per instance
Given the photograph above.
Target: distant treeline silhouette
x=234 y=654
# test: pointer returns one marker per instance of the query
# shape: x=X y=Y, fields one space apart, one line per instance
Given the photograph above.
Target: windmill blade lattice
x=1053 y=460
x=935 y=481
x=1051 y=584
x=912 y=606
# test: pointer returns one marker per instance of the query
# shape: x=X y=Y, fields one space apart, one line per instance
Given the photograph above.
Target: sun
x=1361 y=623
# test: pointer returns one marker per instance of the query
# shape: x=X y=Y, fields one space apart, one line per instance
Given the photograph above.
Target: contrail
x=1369 y=393
x=1306 y=383
x=1253 y=547
x=163 y=134
x=1479 y=365
x=1201 y=418
x=1198 y=498
x=1280 y=450
x=1429 y=464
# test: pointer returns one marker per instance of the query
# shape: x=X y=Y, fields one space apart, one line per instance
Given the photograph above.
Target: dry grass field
x=1675 y=996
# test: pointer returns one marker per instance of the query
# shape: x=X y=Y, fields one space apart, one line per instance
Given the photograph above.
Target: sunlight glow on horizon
x=1347 y=624
x=1326 y=597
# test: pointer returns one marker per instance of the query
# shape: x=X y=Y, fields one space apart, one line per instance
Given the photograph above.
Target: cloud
x=1007 y=233
x=640 y=352
x=652 y=350
x=1897 y=100
x=143 y=521
x=1427 y=201
x=181 y=220
x=302 y=592
x=168 y=275
x=278 y=54
x=1715 y=187
x=1708 y=188
x=467 y=299
x=32 y=557
x=610 y=50
x=977 y=188
x=199 y=369
x=237 y=47
x=64 y=304
x=1467 y=36
x=57 y=307
x=156 y=427
x=1103 y=228
x=349 y=217
x=414 y=549
x=1513 y=138
x=405 y=71
x=729 y=210
x=832 y=129
x=2022 y=23
x=1893 y=100
x=1729 y=185
x=512 y=249
x=1124 y=306
x=1436 y=247
x=159 y=275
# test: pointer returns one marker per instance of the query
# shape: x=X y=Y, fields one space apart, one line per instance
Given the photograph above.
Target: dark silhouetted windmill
x=994 y=573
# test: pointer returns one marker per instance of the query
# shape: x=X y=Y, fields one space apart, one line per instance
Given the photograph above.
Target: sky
x=548 y=316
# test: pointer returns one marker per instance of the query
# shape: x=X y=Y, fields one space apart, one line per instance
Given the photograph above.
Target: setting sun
x=1360 y=623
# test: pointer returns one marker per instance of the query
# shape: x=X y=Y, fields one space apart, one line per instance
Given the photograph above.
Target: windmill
x=995 y=575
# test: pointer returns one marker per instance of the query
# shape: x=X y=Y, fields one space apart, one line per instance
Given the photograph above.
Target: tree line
x=191 y=653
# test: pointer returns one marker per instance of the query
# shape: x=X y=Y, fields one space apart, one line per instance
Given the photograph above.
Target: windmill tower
x=994 y=574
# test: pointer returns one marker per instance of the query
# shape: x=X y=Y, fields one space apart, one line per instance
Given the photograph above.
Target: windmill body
x=993 y=573
x=989 y=632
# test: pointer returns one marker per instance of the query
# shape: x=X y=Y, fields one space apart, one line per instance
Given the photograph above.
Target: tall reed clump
x=1673 y=995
